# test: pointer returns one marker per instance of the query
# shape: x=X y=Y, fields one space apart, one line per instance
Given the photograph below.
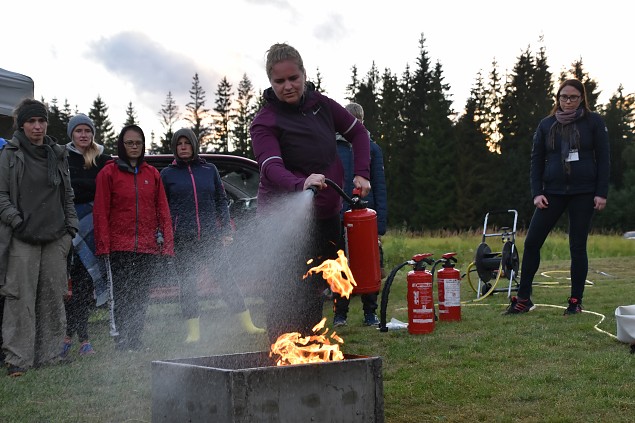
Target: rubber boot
x=193 y=330
x=246 y=323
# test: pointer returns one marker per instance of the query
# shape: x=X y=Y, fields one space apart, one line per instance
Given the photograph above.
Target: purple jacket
x=292 y=142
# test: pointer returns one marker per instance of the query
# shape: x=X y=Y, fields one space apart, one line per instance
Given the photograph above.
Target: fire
x=293 y=348
x=336 y=273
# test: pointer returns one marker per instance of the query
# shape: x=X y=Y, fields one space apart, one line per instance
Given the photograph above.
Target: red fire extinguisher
x=449 y=289
x=362 y=245
x=420 y=296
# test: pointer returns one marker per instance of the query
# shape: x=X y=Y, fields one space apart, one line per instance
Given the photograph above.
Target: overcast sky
x=138 y=51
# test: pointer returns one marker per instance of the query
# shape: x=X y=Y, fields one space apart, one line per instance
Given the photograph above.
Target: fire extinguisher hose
x=384 y=295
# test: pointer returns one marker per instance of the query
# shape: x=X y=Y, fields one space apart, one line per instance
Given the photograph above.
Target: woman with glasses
x=569 y=172
x=132 y=230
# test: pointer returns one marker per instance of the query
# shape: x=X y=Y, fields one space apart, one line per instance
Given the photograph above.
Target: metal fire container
x=249 y=388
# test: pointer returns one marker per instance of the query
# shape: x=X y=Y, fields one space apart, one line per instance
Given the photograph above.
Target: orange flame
x=293 y=348
x=336 y=273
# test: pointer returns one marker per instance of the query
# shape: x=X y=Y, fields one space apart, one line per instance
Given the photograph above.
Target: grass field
x=537 y=367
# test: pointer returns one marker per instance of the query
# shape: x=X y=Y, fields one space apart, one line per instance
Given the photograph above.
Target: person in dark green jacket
x=36 y=202
x=570 y=167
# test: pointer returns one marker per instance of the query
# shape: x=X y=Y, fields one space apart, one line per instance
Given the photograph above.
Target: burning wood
x=293 y=348
x=336 y=273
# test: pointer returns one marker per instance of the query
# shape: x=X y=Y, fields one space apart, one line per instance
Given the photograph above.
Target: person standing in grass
x=293 y=138
x=376 y=200
x=202 y=229
x=36 y=202
x=85 y=159
x=569 y=172
x=132 y=231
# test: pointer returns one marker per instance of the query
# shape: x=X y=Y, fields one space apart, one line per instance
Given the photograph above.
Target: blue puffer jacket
x=589 y=174
x=197 y=199
x=377 y=197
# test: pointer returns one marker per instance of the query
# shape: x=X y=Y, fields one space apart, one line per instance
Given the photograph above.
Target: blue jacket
x=377 y=197
x=589 y=174
x=2 y=142
x=197 y=199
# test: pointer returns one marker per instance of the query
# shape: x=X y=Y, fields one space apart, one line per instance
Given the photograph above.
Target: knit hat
x=79 y=119
x=189 y=134
x=30 y=109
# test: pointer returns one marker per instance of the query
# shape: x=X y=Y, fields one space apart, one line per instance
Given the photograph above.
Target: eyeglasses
x=567 y=98
x=133 y=143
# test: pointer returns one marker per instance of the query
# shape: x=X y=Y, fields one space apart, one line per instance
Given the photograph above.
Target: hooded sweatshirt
x=198 y=203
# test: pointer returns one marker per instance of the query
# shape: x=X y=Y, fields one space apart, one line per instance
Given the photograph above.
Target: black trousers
x=580 y=211
x=295 y=304
x=82 y=300
x=200 y=259
x=132 y=276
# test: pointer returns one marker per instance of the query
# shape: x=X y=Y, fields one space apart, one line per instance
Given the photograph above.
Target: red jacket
x=130 y=209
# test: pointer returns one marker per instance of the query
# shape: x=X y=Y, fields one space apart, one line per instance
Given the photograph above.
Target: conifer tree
x=131 y=115
x=169 y=116
x=223 y=109
x=474 y=162
x=619 y=115
x=105 y=134
x=58 y=122
x=245 y=112
x=390 y=137
x=527 y=100
x=366 y=96
x=318 y=81
x=353 y=87
x=197 y=114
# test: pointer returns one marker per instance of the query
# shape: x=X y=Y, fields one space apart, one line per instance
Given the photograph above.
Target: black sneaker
x=575 y=306
x=519 y=305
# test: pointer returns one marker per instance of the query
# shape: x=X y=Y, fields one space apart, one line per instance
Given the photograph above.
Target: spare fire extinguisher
x=420 y=296
x=361 y=242
x=449 y=289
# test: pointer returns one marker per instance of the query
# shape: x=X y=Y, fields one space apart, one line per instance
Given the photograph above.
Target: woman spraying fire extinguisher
x=293 y=138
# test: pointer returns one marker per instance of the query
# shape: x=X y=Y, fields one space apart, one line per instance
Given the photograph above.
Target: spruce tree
x=353 y=87
x=131 y=115
x=245 y=112
x=169 y=116
x=366 y=97
x=58 y=122
x=197 y=114
x=105 y=134
x=527 y=100
x=223 y=109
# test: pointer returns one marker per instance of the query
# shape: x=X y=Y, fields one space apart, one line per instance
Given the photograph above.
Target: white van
x=13 y=88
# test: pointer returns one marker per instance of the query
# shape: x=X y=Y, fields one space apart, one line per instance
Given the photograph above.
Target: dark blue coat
x=197 y=199
x=589 y=174
x=377 y=197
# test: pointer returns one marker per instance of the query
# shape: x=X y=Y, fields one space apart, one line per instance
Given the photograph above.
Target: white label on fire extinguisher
x=452 y=289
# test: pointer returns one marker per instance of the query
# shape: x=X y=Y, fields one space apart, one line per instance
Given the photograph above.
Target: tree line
x=444 y=170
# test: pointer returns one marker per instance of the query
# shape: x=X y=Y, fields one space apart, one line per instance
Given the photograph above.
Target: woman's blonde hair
x=90 y=154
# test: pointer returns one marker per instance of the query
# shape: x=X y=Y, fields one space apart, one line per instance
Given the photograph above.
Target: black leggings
x=580 y=210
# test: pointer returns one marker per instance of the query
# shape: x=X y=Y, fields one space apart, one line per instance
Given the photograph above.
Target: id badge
x=573 y=156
